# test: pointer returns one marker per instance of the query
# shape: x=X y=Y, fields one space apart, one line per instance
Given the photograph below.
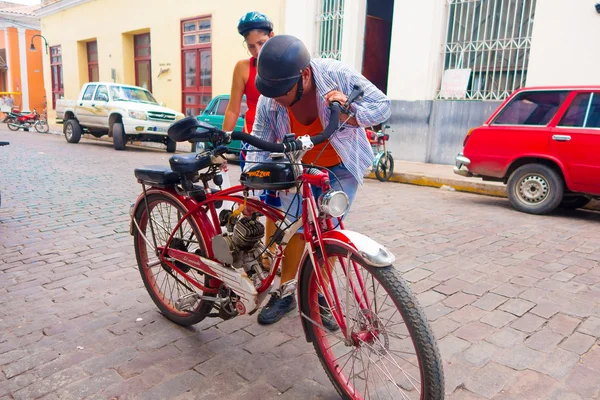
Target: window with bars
x=488 y=43
x=329 y=29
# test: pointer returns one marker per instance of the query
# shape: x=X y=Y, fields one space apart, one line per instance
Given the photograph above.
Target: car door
x=216 y=114
x=84 y=105
x=99 y=107
x=575 y=141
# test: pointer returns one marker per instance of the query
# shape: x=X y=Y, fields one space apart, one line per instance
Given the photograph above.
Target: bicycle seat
x=189 y=163
x=157 y=175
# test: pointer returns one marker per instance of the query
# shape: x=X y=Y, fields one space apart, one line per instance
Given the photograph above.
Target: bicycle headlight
x=334 y=203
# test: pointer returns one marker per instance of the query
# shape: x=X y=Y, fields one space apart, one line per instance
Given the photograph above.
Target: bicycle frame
x=317 y=231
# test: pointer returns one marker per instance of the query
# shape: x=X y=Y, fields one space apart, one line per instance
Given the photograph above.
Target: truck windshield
x=125 y=93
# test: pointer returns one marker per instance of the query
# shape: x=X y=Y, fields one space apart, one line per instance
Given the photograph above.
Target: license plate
x=160 y=129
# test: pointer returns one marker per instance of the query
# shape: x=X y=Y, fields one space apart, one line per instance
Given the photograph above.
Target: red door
x=576 y=142
x=143 y=63
x=92 y=53
x=196 y=64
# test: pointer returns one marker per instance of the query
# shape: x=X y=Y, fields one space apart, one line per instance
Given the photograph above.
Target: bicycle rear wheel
x=391 y=351
x=163 y=283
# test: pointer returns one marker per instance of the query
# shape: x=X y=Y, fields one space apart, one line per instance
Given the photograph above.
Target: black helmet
x=280 y=64
x=254 y=20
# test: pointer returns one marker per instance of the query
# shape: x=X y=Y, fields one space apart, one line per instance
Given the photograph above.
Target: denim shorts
x=341 y=179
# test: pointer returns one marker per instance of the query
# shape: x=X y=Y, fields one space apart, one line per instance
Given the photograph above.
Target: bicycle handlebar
x=298 y=144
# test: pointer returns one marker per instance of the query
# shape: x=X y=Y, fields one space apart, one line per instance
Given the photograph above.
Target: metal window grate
x=490 y=41
x=329 y=29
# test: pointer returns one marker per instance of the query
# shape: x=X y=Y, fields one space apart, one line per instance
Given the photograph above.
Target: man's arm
x=261 y=130
x=374 y=107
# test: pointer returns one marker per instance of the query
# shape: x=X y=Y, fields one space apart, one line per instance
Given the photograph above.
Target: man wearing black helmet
x=296 y=92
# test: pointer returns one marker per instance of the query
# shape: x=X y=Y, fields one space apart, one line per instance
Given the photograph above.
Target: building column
x=23 y=67
x=300 y=21
x=353 y=33
x=9 y=81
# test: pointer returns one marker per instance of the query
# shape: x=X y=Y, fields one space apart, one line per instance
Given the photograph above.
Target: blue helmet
x=254 y=20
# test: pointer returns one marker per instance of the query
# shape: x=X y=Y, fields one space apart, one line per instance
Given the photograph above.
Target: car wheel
x=119 y=139
x=72 y=131
x=171 y=145
x=535 y=189
x=574 y=202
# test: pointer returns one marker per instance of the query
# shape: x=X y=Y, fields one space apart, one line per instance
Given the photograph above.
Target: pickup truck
x=123 y=112
x=214 y=114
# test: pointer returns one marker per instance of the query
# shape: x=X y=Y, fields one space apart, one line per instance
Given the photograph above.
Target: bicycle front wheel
x=385 y=167
x=42 y=126
x=388 y=351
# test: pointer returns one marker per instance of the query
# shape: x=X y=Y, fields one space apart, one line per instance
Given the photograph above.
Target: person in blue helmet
x=256 y=29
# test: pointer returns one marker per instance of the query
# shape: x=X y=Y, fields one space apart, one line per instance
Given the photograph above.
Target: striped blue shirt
x=272 y=121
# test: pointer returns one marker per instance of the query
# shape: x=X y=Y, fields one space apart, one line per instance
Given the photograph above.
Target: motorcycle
x=196 y=263
x=17 y=120
x=3 y=144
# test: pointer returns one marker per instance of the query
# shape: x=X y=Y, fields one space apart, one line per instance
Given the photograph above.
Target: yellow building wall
x=113 y=22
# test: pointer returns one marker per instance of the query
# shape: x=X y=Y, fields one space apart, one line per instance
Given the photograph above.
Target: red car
x=544 y=143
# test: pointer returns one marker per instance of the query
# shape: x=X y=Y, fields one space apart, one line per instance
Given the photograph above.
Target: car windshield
x=532 y=108
x=126 y=93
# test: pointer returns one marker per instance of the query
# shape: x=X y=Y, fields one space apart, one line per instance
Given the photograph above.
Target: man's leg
x=282 y=299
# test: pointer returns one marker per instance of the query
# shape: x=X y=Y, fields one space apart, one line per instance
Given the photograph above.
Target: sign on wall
x=455 y=83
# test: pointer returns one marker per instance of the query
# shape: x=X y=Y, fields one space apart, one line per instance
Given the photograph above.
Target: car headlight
x=138 y=115
x=179 y=117
x=334 y=203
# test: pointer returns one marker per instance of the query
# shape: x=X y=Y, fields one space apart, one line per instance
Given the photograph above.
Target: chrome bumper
x=461 y=166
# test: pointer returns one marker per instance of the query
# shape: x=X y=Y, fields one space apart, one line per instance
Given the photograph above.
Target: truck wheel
x=535 y=189
x=171 y=145
x=72 y=131
x=119 y=139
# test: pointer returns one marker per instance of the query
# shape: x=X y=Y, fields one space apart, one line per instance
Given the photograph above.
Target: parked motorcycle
x=196 y=263
x=3 y=144
x=17 y=120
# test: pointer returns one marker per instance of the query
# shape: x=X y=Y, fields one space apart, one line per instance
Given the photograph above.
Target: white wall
x=300 y=22
x=564 y=49
x=353 y=33
x=418 y=34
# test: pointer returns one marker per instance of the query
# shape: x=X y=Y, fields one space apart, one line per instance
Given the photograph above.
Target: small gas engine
x=241 y=246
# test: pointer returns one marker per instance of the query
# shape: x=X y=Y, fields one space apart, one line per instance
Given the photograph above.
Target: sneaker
x=327 y=318
x=276 y=308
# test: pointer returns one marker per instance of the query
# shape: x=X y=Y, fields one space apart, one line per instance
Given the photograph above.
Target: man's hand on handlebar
x=340 y=97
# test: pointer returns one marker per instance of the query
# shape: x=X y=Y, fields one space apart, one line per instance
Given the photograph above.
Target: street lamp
x=32 y=47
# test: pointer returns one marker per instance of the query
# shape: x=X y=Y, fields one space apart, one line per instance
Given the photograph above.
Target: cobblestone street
x=514 y=299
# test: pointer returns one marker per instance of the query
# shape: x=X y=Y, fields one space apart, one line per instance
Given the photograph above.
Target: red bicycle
x=197 y=263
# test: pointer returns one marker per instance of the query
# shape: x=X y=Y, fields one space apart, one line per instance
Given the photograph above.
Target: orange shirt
x=329 y=157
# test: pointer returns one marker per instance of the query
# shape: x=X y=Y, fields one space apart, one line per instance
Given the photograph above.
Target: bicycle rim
x=164 y=284
x=380 y=359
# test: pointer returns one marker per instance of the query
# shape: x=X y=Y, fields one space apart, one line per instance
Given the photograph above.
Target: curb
x=483 y=188
x=488 y=189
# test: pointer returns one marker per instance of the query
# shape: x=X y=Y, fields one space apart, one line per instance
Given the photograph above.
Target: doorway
x=378 y=38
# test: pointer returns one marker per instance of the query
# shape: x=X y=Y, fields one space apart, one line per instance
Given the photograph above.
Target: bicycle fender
x=373 y=253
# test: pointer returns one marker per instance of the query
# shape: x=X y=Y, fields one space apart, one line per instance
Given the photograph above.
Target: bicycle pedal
x=187 y=303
